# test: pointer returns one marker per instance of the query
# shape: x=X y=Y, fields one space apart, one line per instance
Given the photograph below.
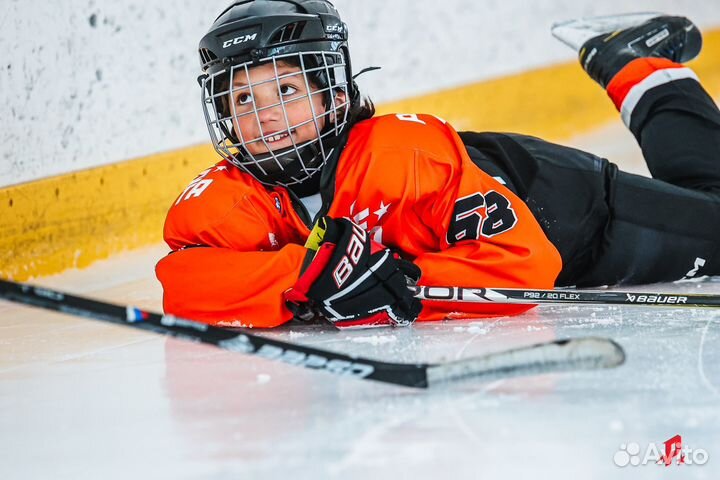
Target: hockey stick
x=597 y=297
x=555 y=356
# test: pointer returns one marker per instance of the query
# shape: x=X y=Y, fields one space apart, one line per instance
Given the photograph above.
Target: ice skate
x=606 y=44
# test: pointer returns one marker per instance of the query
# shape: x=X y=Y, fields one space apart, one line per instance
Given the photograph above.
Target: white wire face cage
x=296 y=143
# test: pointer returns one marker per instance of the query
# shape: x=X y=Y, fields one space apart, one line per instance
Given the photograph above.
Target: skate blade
x=574 y=33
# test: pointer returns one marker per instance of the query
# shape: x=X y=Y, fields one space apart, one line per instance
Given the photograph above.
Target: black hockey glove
x=354 y=281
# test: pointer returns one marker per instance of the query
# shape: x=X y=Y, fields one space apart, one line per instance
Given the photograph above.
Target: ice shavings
x=472 y=329
x=375 y=339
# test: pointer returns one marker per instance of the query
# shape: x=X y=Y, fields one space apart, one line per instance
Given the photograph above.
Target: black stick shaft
x=410 y=375
x=549 y=357
x=598 y=297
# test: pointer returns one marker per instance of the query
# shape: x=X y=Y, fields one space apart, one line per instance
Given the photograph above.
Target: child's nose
x=269 y=109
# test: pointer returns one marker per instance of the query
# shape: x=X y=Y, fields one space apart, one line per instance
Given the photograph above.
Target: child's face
x=258 y=115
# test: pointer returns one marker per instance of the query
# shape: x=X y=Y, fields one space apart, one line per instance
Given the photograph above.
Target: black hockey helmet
x=307 y=34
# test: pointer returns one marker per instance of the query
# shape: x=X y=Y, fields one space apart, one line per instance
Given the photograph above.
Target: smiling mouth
x=270 y=139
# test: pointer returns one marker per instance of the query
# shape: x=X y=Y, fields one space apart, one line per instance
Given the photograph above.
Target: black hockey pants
x=612 y=227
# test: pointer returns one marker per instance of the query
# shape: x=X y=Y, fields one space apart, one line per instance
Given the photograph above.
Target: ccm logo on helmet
x=240 y=39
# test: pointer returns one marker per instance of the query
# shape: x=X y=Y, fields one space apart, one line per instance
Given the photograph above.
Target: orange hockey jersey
x=407 y=179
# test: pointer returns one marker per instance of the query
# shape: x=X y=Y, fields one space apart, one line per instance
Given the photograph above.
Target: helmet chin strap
x=291 y=163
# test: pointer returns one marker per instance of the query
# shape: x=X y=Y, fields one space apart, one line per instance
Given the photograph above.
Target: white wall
x=90 y=82
x=423 y=46
x=76 y=95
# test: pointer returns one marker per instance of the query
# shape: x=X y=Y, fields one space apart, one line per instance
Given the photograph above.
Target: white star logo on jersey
x=220 y=168
x=383 y=210
x=362 y=216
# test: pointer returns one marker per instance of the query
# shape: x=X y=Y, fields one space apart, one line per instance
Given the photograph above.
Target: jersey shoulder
x=411 y=131
x=214 y=190
x=403 y=142
x=206 y=200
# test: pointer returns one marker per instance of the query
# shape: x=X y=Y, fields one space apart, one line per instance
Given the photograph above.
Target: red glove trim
x=298 y=293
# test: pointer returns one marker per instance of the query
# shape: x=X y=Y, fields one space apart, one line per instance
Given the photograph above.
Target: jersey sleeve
x=487 y=237
x=226 y=287
x=226 y=266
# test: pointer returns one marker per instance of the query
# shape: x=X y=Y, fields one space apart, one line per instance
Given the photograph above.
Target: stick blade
x=589 y=353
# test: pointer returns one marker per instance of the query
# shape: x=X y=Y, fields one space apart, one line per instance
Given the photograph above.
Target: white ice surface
x=81 y=399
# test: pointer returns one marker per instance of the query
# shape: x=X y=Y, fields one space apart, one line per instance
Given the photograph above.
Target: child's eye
x=243 y=99
x=287 y=90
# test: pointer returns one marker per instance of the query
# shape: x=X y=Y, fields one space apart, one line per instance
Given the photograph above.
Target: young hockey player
x=403 y=198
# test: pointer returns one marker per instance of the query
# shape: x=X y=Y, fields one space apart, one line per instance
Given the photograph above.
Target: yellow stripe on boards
x=70 y=221
x=50 y=225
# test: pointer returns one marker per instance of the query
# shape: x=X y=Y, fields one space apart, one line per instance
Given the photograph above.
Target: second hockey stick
x=596 y=297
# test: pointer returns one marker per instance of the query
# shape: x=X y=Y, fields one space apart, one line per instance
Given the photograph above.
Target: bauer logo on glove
x=354 y=281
